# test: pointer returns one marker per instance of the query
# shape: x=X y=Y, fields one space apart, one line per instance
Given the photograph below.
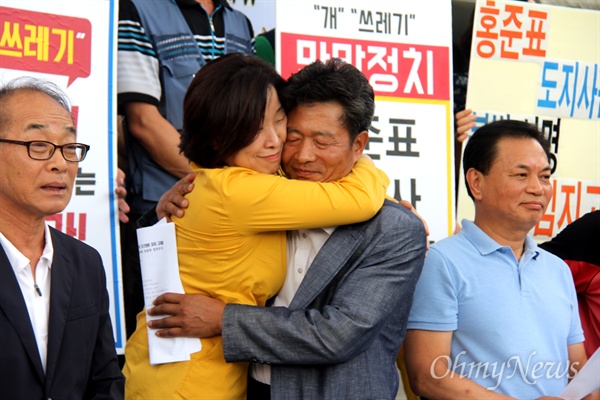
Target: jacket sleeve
x=375 y=286
x=259 y=202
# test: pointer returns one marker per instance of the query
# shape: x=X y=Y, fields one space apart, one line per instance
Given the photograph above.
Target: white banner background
x=404 y=49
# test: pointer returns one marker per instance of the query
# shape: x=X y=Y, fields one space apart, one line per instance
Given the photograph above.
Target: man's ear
x=475 y=181
x=360 y=142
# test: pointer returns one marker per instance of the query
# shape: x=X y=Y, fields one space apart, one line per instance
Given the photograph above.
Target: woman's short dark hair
x=224 y=107
x=335 y=81
x=482 y=148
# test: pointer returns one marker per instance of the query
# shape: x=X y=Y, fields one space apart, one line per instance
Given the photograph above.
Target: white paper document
x=160 y=274
x=586 y=381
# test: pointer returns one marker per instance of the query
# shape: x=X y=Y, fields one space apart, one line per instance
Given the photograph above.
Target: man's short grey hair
x=37 y=85
x=29 y=83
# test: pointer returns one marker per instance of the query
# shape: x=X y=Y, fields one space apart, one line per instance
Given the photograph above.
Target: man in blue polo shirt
x=493 y=314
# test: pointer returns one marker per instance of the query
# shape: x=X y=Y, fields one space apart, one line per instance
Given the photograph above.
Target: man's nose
x=306 y=152
x=535 y=186
x=57 y=161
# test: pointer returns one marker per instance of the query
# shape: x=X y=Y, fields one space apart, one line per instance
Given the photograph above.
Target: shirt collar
x=531 y=249
x=486 y=245
x=329 y=230
x=18 y=261
x=48 y=252
x=482 y=242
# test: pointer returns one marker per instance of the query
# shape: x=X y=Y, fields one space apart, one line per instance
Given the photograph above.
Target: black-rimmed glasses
x=42 y=150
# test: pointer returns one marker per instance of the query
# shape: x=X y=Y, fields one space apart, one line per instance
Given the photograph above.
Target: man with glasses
x=55 y=329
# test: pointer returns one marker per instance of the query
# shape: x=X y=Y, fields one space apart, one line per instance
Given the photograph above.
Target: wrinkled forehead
x=515 y=152
x=319 y=119
x=28 y=111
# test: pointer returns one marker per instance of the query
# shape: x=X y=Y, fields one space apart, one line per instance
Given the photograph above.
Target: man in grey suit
x=334 y=330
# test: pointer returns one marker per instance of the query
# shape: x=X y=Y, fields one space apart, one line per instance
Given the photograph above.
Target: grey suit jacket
x=342 y=332
x=82 y=362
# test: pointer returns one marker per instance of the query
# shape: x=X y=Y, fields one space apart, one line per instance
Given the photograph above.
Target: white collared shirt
x=37 y=306
x=302 y=248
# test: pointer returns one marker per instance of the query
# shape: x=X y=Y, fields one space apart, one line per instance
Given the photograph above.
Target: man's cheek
x=286 y=170
x=286 y=157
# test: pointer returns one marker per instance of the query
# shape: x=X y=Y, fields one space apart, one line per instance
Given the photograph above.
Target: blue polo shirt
x=511 y=320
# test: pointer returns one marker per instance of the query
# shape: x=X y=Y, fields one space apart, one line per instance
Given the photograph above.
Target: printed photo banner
x=71 y=43
x=408 y=64
x=539 y=64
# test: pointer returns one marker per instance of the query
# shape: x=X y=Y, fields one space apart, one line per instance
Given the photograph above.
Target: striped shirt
x=138 y=68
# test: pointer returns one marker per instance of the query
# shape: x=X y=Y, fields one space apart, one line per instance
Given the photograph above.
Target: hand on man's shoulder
x=400 y=214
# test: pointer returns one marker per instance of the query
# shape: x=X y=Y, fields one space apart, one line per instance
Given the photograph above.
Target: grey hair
x=29 y=83
x=37 y=85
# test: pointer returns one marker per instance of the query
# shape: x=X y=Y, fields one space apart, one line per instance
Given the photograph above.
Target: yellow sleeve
x=258 y=202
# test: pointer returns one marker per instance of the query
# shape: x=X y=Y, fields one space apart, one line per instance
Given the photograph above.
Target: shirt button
x=304 y=235
x=300 y=270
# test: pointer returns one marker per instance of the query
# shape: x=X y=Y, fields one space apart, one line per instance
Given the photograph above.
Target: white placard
x=160 y=274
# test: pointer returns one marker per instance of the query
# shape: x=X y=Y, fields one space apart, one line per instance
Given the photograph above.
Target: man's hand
x=465 y=121
x=173 y=201
x=121 y=193
x=408 y=205
x=190 y=315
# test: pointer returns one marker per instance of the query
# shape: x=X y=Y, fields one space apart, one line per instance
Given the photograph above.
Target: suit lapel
x=332 y=257
x=13 y=306
x=60 y=298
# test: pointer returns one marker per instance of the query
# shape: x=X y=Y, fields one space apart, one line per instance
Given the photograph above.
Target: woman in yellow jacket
x=232 y=240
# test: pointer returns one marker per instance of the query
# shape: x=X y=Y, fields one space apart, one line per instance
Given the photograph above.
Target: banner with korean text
x=541 y=64
x=72 y=43
x=404 y=49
